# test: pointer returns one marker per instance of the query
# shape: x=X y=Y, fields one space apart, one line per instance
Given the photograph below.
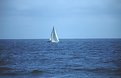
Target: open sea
x=70 y=58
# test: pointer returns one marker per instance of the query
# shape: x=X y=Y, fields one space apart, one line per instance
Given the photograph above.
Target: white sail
x=54 y=37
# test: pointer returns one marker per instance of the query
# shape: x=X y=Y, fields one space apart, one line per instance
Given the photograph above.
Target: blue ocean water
x=70 y=58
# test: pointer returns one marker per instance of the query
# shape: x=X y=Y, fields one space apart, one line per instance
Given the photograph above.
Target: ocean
x=70 y=58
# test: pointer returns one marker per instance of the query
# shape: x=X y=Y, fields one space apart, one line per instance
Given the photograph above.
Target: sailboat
x=54 y=37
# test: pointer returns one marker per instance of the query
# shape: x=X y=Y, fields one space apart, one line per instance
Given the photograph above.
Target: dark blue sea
x=70 y=58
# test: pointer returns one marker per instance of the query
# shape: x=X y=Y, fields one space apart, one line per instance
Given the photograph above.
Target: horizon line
x=60 y=38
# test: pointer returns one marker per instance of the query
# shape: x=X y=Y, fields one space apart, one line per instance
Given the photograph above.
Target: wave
x=11 y=72
x=114 y=71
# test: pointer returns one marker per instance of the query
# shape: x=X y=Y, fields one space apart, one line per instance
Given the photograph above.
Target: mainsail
x=54 y=37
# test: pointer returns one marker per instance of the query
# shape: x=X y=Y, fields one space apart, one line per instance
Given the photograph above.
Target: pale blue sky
x=28 y=19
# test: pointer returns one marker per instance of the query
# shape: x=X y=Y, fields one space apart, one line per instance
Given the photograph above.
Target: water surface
x=70 y=58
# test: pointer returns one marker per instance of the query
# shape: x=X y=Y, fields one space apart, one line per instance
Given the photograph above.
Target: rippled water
x=70 y=58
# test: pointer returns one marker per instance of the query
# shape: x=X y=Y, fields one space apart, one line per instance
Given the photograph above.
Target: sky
x=34 y=19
